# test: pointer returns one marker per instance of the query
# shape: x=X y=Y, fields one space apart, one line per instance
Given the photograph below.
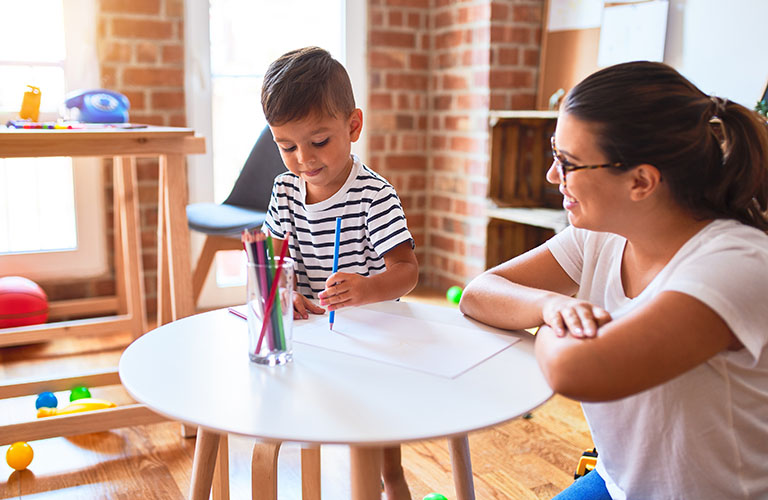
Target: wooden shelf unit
x=528 y=210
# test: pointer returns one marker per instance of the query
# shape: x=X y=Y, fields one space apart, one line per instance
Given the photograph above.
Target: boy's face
x=317 y=149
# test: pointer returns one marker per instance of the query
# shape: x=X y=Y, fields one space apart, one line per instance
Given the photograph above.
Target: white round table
x=196 y=370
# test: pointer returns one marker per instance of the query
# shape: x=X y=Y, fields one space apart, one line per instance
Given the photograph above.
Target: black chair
x=245 y=207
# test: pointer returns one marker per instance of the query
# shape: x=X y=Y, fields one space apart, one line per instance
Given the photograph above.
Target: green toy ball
x=436 y=496
x=79 y=392
x=454 y=294
x=19 y=455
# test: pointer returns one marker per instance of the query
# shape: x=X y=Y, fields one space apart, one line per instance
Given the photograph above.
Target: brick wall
x=473 y=56
x=398 y=105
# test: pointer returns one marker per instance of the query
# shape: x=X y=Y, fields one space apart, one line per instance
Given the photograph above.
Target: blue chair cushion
x=223 y=219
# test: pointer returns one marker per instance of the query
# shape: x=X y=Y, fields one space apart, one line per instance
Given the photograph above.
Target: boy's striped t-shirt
x=372 y=223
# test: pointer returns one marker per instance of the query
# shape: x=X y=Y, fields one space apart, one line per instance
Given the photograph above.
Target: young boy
x=308 y=102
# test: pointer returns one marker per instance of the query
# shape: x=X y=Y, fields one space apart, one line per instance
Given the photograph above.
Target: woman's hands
x=567 y=315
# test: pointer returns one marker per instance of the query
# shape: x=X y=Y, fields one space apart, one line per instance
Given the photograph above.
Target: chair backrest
x=253 y=186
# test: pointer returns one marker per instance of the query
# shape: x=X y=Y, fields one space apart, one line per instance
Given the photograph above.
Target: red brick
x=442 y=102
x=443 y=19
x=131 y=6
x=108 y=76
x=509 y=56
x=447 y=60
x=174 y=8
x=146 y=52
x=377 y=101
x=116 y=52
x=406 y=162
x=472 y=101
x=173 y=53
x=448 y=40
x=395 y=18
x=443 y=243
x=511 y=78
x=168 y=100
x=404 y=122
x=499 y=12
x=407 y=81
x=527 y=14
x=454 y=82
x=440 y=203
x=141 y=28
x=418 y=61
x=380 y=39
x=466 y=144
x=531 y=58
x=387 y=60
x=375 y=142
x=415 y=20
x=418 y=4
x=159 y=77
x=136 y=98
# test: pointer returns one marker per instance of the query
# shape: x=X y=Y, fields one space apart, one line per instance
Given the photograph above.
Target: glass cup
x=270 y=340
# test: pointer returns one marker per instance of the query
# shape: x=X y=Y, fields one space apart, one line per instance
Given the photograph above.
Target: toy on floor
x=19 y=455
x=22 y=302
x=80 y=405
x=46 y=400
x=435 y=496
x=79 y=392
x=586 y=464
x=454 y=294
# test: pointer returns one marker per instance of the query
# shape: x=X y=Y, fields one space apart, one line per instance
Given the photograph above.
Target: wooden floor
x=531 y=458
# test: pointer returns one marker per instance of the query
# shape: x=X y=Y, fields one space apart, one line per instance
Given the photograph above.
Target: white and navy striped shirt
x=372 y=223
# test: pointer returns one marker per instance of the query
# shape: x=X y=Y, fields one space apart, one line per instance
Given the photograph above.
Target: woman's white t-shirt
x=704 y=434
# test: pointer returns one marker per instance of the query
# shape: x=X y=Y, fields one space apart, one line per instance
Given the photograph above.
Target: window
x=49 y=205
x=245 y=36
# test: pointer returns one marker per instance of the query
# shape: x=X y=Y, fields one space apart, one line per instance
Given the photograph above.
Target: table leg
x=264 y=471
x=365 y=472
x=177 y=235
x=310 y=473
x=221 y=472
x=461 y=462
x=202 y=467
x=163 y=279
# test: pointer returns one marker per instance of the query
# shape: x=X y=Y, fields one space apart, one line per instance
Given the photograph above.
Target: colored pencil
x=273 y=291
x=332 y=316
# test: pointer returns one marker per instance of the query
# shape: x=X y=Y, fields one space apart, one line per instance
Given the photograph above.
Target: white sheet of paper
x=439 y=348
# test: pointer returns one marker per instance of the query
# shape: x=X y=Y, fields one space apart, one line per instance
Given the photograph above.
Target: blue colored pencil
x=332 y=316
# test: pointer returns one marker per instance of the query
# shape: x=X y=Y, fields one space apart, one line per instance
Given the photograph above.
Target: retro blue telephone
x=97 y=106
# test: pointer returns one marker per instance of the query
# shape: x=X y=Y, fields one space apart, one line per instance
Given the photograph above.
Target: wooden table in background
x=169 y=145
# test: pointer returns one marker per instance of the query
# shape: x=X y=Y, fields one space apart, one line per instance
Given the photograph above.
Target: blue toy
x=46 y=400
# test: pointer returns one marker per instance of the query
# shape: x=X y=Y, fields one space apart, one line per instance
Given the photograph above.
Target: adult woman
x=652 y=301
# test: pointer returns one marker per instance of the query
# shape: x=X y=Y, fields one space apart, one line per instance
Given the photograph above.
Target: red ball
x=22 y=302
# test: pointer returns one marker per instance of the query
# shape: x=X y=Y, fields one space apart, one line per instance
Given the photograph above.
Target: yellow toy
x=587 y=463
x=77 y=406
x=30 y=105
x=19 y=455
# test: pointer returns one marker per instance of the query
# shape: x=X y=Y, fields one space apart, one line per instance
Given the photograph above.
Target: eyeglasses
x=564 y=166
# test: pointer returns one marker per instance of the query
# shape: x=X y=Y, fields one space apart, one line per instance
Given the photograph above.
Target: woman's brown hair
x=712 y=153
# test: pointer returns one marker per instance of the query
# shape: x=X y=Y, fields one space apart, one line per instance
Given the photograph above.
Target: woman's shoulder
x=725 y=234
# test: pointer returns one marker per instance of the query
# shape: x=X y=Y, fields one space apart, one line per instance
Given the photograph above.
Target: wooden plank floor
x=530 y=458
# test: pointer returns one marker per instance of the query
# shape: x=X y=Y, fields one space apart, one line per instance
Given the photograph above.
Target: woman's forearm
x=499 y=302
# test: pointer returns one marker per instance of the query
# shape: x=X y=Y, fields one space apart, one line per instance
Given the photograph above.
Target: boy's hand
x=302 y=306
x=345 y=290
x=566 y=315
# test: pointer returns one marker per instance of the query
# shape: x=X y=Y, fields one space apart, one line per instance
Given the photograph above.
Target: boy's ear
x=355 y=124
x=645 y=179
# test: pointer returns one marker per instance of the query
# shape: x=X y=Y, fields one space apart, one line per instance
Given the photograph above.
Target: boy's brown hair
x=306 y=81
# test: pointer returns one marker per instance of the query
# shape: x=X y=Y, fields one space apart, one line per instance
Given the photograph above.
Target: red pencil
x=273 y=292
